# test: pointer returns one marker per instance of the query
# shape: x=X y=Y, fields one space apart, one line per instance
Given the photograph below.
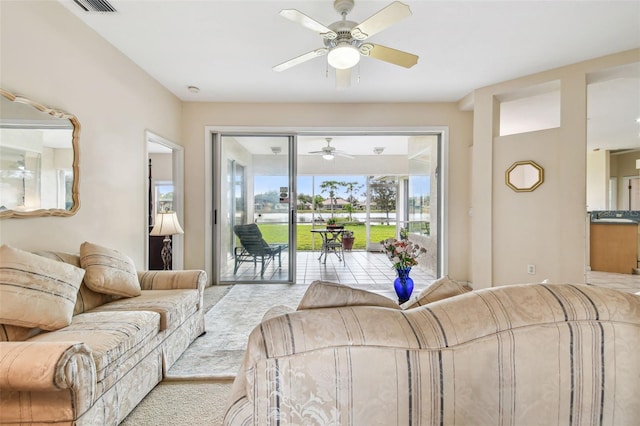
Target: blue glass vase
x=403 y=285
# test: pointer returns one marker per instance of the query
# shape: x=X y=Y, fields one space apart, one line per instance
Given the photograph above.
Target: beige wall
x=162 y=168
x=601 y=167
x=546 y=227
x=52 y=57
x=624 y=166
x=199 y=116
x=598 y=180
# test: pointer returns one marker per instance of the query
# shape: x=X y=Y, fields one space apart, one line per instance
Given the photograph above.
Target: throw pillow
x=35 y=291
x=441 y=289
x=12 y=333
x=87 y=298
x=323 y=294
x=109 y=271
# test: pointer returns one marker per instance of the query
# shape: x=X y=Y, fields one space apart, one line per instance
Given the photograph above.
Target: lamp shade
x=166 y=224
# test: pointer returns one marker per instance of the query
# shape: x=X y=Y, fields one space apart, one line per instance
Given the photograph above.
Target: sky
x=264 y=184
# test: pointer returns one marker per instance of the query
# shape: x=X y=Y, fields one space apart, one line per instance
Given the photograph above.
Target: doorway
x=254 y=209
x=165 y=192
x=382 y=183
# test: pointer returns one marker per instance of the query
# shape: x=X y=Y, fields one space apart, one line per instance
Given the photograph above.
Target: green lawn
x=276 y=233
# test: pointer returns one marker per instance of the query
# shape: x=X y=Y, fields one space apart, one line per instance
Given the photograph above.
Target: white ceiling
x=356 y=145
x=227 y=48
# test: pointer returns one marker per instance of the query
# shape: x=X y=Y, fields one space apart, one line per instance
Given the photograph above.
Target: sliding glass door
x=254 y=209
x=421 y=199
x=385 y=183
x=407 y=198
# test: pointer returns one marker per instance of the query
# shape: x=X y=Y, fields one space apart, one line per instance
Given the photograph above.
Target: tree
x=304 y=200
x=349 y=209
x=384 y=195
x=330 y=187
x=351 y=188
x=318 y=201
x=269 y=198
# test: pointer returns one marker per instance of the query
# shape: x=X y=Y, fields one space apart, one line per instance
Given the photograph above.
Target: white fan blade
x=302 y=19
x=300 y=59
x=381 y=20
x=343 y=78
x=387 y=54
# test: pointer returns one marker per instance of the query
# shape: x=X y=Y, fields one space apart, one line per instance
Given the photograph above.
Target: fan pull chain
x=326 y=72
x=358 y=77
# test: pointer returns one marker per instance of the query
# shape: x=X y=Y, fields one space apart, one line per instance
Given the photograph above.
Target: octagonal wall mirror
x=38 y=159
x=524 y=176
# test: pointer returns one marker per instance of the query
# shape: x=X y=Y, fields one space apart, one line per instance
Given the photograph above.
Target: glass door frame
x=402 y=186
x=233 y=167
x=211 y=138
x=441 y=199
x=217 y=198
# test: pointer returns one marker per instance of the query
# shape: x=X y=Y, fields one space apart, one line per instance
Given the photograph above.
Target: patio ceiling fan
x=329 y=152
x=345 y=41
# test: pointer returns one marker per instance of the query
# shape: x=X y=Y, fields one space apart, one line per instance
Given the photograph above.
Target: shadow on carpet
x=218 y=354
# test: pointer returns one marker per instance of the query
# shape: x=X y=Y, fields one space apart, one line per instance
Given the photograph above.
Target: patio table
x=331 y=242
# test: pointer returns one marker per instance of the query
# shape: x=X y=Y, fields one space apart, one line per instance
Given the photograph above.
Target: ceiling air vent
x=95 y=5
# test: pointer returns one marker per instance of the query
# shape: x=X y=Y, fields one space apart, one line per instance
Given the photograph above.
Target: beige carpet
x=218 y=353
x=189 y=403
x=213 y=294
x=197 y=386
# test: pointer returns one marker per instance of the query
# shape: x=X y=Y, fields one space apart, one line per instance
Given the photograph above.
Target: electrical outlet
x=531 y=269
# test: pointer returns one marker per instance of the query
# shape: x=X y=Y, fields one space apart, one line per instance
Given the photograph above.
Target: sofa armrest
x=45 y=366
x=173 y=280
x=193 y=279
x=49 y=366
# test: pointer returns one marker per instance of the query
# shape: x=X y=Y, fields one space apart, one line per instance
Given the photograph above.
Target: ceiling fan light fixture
x=328 y=157
x=343 y=56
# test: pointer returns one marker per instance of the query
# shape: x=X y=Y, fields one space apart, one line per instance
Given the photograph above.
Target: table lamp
x=166 y=225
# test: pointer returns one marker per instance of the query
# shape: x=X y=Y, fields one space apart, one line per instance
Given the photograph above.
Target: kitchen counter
x=614 y=245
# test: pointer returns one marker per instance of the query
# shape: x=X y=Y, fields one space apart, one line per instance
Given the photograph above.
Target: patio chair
x=254 y=248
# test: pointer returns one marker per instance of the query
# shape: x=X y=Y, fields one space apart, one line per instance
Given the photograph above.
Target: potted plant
x=332 y=222
x=347 y=240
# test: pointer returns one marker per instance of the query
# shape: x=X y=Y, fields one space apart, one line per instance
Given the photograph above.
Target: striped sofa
x=534 y=354
x=95 y=370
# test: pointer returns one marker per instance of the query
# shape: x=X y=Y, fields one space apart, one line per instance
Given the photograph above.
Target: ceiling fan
x=329 y=152
x=344 y=41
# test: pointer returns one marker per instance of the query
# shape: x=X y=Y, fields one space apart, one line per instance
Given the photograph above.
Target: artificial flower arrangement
x=402 y=253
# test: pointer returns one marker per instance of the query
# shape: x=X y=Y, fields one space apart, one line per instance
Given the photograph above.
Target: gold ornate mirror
x=38 y=159
x=524 y=176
